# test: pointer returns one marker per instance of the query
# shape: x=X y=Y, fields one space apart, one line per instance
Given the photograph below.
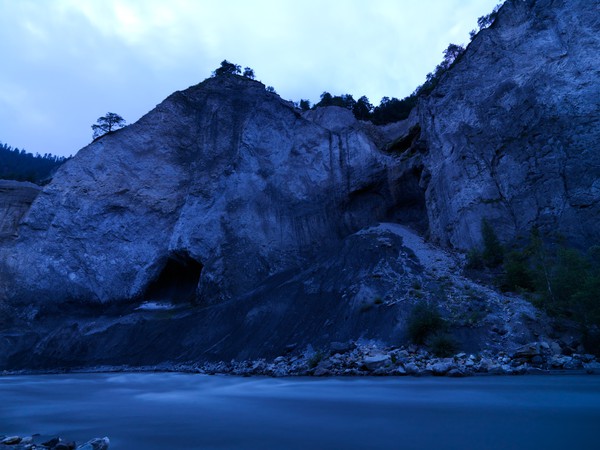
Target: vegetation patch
x=442 y=345
x=17 y=164
x=424 y=321
x=562 y=280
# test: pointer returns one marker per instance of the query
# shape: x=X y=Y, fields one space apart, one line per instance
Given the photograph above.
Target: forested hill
x=16 y=164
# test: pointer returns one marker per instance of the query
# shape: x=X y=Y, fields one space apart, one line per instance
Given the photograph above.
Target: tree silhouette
x=108 y=123
x=451 y=54
x=304 y=105
x=362 y=108
x=227 y=68
x=248 y=73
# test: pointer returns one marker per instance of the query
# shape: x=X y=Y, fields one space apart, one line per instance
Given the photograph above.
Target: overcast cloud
x=67 y=62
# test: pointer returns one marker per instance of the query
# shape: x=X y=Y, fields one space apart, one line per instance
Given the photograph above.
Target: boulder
x=442 y=367
x=11 y=440
x=528 y=351
x=375 y=362
x=95 y=444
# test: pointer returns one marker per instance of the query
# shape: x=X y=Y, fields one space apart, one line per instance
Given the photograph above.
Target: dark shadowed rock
x=10 y=440
x=15 y=199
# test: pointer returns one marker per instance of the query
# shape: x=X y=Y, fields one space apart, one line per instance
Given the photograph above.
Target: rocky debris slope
x=15 y=199
x=364 y=291
x=512 y=131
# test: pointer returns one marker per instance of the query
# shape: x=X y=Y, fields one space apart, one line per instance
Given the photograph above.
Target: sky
x=65 y=63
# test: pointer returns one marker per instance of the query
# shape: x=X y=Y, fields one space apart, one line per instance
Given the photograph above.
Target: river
x=185 y=411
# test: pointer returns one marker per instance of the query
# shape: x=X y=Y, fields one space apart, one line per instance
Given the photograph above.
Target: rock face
x=362 y=291
x=513 y=129
x=220 y=186
x=15 y=199
x=226 y=224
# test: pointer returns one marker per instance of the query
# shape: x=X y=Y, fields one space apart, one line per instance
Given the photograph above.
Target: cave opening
x=410 y=207
x=178 y=280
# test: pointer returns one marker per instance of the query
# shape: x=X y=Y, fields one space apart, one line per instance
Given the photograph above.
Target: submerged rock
x=11 y=440
x=95 y=444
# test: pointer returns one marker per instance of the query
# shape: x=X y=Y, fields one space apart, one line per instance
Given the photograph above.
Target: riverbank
x=353 y=359
x=369 y=359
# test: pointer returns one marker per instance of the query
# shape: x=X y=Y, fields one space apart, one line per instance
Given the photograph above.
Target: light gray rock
x=528 y=351
x=573 y=363
x=513 y=129
x=223 y=184
x=11 y=440
x=441 y=367
x=412 y=369
x=376 y=361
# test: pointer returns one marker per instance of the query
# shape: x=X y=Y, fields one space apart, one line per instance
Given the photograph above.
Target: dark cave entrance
x=410 y=206
x=177 y=282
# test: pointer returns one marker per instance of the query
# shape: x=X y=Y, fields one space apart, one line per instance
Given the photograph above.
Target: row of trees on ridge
x=17 y=164
x=389 y=109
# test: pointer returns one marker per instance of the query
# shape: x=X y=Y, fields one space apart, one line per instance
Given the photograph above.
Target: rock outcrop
x=15 y=199
x=227 y=224
x=513 y=129
x=223 y=184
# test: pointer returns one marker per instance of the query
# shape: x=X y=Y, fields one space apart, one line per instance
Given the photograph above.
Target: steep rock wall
x=224 y=182
x=513 y=129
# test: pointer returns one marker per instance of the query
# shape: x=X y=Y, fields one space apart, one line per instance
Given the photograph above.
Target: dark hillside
x=16 y=164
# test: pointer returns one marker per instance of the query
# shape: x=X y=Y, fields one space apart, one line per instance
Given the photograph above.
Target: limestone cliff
x=220 y=186
x=257 y=224
x=513 y=129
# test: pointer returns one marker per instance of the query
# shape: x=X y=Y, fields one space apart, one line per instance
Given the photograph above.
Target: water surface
x=184 y=411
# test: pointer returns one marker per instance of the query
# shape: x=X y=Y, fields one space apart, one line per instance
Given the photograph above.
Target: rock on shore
x=56 y=443
x=370 y=358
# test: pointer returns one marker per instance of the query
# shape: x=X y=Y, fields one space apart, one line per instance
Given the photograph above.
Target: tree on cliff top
x=228 y=68
x=106 y=124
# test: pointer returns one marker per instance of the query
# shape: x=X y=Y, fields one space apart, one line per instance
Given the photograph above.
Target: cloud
x=72 y=60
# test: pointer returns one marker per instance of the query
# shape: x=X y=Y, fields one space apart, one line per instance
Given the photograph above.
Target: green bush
x=424 y=321
x=442 y=345
x=315 y=359
x=493 y=252
x=563 y=281
x=474 y=259
x=517 y=274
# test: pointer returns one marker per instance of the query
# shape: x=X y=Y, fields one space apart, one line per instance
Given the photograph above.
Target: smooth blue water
x=185 y=411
